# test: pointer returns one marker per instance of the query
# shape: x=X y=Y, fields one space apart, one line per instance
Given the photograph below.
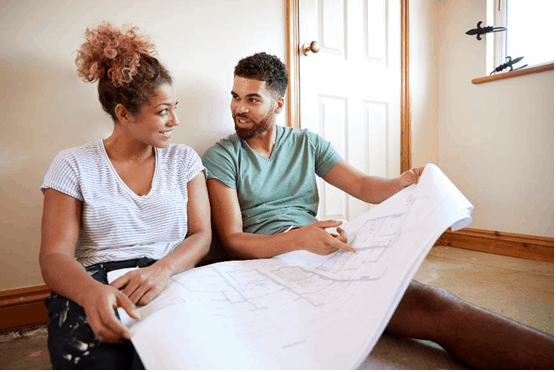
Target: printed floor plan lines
x=300 y=310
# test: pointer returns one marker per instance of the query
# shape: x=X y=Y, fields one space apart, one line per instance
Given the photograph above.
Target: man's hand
x=99 y=306
x=142 y=285
x=341 y=235
x=314 y=238
x=409 y=177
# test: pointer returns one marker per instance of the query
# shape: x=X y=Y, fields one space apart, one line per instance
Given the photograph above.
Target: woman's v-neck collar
x=119 y=179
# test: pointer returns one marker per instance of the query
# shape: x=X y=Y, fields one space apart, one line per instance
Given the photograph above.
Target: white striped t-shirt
x=116 y=223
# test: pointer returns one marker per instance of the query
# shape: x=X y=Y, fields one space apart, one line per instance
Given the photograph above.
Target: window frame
x=497 y=46
x=500 y=47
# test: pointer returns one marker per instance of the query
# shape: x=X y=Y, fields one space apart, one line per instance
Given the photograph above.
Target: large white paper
x=300 y=310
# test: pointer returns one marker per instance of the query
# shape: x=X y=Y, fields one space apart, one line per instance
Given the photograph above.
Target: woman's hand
x=99 y=305
x=144 y=284
x=409 y=177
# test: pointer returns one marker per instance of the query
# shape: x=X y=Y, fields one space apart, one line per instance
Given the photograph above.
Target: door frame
x=293 y=61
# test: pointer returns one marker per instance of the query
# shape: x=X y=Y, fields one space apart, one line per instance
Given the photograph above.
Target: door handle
x=310 y=47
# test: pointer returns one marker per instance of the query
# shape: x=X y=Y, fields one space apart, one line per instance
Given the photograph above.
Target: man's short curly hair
x=267 y=68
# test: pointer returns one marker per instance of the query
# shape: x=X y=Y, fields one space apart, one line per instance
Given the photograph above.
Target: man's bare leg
x=479 y=337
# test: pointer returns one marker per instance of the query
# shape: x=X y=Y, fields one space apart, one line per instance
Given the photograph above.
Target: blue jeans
x=72 y=343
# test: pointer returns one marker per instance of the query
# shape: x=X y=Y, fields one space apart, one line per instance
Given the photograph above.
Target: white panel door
x=350 y=88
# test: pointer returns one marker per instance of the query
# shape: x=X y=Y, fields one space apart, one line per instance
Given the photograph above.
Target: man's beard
x=257 y=127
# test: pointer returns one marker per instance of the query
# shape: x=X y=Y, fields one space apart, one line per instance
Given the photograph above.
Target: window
x=529 y=32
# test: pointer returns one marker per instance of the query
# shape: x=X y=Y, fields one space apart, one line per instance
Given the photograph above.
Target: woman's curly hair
x=264 y=67
x=123 y=62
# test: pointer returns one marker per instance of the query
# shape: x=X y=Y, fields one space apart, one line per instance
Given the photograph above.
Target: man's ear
x=279 y=105
x=122 y=114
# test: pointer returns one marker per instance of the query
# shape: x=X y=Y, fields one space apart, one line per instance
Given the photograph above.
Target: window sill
x=505 y=75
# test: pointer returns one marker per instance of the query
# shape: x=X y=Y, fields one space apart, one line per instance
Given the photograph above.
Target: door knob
x=310 y=47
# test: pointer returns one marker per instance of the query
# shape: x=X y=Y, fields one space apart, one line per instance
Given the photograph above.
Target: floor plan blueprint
x=300 y=310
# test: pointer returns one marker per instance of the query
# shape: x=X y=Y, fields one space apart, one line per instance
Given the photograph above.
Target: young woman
x=130 y=200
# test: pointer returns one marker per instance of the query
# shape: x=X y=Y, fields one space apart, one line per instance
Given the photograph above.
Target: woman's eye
x=163 y=112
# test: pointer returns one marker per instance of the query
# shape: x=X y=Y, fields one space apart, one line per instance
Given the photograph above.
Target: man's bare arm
x=228 y=224
x=367 y=188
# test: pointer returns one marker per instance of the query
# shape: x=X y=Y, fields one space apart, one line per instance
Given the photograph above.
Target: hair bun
x=112 y=53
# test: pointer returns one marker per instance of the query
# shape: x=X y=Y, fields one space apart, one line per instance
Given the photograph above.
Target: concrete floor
x=519 y=289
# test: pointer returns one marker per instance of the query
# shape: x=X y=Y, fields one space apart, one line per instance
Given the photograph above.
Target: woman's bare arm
x=61 y=221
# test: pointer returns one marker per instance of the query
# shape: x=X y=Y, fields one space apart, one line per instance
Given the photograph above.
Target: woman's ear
x=122 y=114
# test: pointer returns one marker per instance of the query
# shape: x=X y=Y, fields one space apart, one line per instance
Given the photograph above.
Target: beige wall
x=495 y=140
x=46 y=108
x=423 y=81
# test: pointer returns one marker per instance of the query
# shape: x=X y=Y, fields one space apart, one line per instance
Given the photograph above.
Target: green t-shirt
x=274 y=193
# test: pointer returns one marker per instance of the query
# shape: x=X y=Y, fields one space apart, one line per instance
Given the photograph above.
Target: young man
x=264 y=199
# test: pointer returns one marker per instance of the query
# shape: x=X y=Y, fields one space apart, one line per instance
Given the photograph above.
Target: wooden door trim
x=293 y=60
x=405 y=102
x=293 y=64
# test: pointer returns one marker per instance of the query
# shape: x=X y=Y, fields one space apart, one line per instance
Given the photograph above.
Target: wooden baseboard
x=530 y=247
x=22 y=308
